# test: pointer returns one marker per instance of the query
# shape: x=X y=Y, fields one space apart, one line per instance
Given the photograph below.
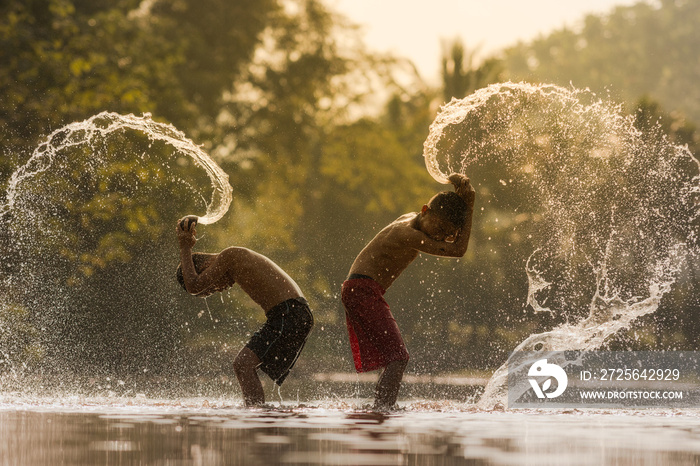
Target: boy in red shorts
x=277 y=345
x=441 y=228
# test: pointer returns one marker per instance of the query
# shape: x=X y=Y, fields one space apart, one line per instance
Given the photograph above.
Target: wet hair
x=199 y=259
x=450 y=206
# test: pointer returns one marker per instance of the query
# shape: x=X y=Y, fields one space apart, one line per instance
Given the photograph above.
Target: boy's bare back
x=258 y=276
x=261 y=279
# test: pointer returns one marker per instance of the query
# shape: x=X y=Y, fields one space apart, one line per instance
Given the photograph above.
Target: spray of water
x=618 y=210
x=86 y=258
x=102 y=125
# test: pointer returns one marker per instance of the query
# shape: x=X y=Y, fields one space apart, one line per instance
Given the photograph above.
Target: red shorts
x=375 y=339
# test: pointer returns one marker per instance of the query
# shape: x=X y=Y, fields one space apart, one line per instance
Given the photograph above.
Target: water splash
x=618 y=209
x=86 y=258
x=105 y=123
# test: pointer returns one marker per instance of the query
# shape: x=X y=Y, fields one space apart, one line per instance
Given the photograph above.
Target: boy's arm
x=465 y=190
x=419 y=241
x=186 y=238
x=423 y=243
x=196 y=283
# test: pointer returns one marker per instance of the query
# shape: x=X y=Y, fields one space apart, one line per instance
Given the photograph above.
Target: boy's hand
x=186 y=231
x=463 y=186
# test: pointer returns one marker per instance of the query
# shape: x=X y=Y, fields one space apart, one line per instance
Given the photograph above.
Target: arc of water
x=536 y=127
x=105 y=123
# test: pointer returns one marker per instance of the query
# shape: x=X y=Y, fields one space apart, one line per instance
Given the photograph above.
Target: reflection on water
x=336 y=433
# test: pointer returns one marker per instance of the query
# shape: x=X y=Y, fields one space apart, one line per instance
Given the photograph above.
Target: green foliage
x=65 y=60
x=460 y=77
x=215 y=39
x=643 y=49
x=362 y=160
x=59 y=64
x=652 y=120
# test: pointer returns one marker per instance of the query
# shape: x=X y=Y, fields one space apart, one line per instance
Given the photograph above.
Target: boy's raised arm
x=185 y=230
x=465 y=190
x=196 y=283
x=419 y=241
x=422 y=242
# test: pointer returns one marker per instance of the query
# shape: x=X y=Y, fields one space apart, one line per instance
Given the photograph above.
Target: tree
x=215 y=42
x=461 y=77
x=643 y=49
x=65 y=60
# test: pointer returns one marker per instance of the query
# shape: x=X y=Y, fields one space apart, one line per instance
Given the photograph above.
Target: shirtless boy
x=277 y=345
x=441 y=228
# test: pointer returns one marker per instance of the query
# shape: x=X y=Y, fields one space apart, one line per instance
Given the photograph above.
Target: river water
x=198 y=431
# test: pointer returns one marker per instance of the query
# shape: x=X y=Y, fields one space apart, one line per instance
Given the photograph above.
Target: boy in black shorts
x=277 y=345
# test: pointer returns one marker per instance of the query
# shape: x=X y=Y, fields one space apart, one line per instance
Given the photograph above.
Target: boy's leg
x=388 y=385
x=245 y=366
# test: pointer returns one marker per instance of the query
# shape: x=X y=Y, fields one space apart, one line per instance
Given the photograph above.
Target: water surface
x=335 y=432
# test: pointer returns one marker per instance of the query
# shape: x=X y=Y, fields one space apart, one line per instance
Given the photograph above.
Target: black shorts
x=280 y=340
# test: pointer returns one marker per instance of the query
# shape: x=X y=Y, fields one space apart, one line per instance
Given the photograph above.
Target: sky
x=415 y=28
